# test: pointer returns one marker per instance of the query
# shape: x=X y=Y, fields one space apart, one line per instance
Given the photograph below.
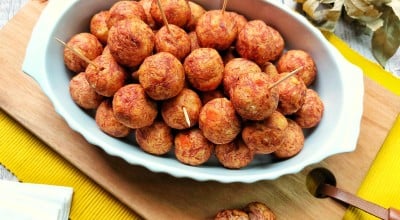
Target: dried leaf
x=385 y=41
x=361 y=10
x=323 y=13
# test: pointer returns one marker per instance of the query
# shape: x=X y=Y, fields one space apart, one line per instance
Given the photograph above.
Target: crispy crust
x=310 y=113
x=292 y=143
x=259 y=42
x=82 y=93
x=219 y=122
x=108 y=123
x=155 y=139
x=177 y=12
x=133 y=108
x=87 y=45
x=108 y=76
x=204 y=69
x=162 y=76
x=234 y=155
x=176 y=41
x=216 y=30
x=192 y=148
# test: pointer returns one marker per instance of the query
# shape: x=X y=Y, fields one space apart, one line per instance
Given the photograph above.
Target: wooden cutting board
x=160 y=196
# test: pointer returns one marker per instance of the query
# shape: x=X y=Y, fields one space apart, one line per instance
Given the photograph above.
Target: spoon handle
x=355 y=201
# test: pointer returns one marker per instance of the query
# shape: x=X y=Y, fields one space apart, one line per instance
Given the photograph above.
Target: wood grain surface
x=160 y=196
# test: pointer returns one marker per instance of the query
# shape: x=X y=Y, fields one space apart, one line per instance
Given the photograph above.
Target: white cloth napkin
x=20 y=201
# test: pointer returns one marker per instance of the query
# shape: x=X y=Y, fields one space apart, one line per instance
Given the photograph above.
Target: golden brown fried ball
x=252 y=98
x=231 y=214
x=310 y=113
x=204 y=69
x=292 y=143
x=219 y=122
x=172 y=110
x=87 y=45
x=265 y=137
x=133 y=108
x=162 y=76
x=294 y=59
x=155 y=139
x=192 y=148
x=240 y=20
x=107 y=76
x=234 y=155
x=196 y=12
x=210 y=95
x=216 y=29
x=108 y=123
x=124 y=10
x=259 y=211
x=234 y=69
x=82 y=93
x=259 y=42
x=98 y=26
x=146 y=4
x=177 y=12
x=292 y=93
x=131 y=41
x=194 y=43
x=175 y=41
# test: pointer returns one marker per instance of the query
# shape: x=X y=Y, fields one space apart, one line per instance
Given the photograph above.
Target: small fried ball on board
x=216 y=29
x=259 y=42
x=146 y=4
x=192 y=148
x=294 y=59
x=155 y=139
x=265 y=137
x=98 y=26
x=310 y=113
x=292 y=143
x=231 y=214
x=219 y=122
x=107 y=76
x=252 y=98
x=234 y=69
x=258 y=210
x=133 y=108
x=204 y=69
x=130 y=42
x=234 y=155
x=124 y=10
x=172 y=110
x=87 y=45
x=175 y=41
x=177 y=12
x=292 y=93
x=162 y=76
x=82 y=93
x=108 y=123
x=196 y=11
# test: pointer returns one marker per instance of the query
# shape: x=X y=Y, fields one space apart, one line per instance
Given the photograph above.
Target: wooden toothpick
x=77 y=53
x=224 y=6
x=163 y=15
x=186 y=116
x=285 y=77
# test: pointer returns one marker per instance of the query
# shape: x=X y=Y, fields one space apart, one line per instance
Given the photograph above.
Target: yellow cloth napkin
x=382 y=183
x=33 y=161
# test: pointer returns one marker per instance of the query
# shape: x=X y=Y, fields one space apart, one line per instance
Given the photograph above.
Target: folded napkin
x=34 y=201
x=382 y=183
x=33 y=161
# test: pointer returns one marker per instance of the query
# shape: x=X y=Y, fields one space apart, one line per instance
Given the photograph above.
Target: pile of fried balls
x=198 y=83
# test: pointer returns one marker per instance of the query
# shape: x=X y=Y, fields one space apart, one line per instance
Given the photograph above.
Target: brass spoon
x=321 y=183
